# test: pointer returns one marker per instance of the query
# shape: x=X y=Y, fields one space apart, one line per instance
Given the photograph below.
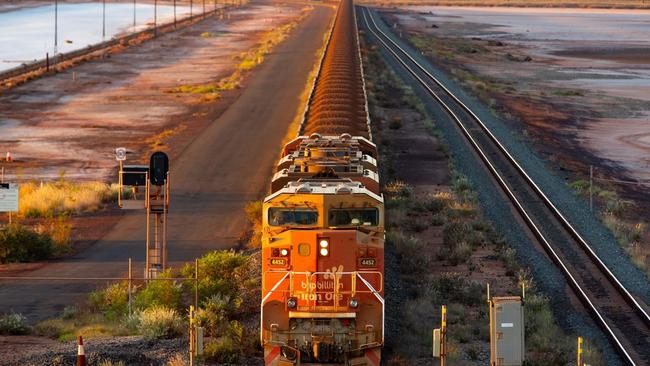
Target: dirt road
x=226 y=166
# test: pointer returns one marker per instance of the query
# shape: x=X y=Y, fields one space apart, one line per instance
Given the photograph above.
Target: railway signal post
x=157 y=209
x=155 y=180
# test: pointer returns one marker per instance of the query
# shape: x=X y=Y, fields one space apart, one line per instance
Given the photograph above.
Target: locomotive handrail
x=336 y=276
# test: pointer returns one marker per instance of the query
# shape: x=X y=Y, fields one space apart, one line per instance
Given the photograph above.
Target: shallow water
x=553 y=24
x=28 y=34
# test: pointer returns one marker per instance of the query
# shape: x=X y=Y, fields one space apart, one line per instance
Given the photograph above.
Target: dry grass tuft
x=57 y=198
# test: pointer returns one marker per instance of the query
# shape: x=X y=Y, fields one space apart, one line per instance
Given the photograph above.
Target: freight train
x=323 y=224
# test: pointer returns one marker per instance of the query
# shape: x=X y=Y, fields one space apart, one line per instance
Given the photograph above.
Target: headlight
x=354 y=303
x=324 y=252
x=292 y=303
x=324 y=243
x=284 y=252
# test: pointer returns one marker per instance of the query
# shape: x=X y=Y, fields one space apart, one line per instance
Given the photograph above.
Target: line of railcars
x=323 y=224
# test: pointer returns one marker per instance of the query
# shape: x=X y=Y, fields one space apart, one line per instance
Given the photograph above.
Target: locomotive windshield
x=292 y=216
x=354 y=217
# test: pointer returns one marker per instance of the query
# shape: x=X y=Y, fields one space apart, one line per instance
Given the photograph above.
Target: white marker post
x=120 y=156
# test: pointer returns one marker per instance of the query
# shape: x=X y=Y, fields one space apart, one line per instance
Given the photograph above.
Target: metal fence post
x=130 y=286
x=196 y=283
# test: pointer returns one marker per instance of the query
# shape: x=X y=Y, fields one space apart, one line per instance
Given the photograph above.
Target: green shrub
x=223 y=350
x=113 y=301
x=221 y=272
x=455 y=232
x=448 y=288
x=543 y=335
x=215 y=312
x=13 y=324
x=19 y=243
x=160 y=292
x=158 y=322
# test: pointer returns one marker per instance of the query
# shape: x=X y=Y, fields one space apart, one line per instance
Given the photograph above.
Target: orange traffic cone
x=9 y=158
x=81 y=356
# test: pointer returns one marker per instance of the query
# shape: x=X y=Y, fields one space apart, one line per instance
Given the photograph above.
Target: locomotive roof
x=325 y=187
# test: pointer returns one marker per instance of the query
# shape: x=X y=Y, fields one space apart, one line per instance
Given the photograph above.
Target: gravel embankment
x=133 y=350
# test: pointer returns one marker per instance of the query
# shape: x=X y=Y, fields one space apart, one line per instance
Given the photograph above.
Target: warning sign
x=8 y=197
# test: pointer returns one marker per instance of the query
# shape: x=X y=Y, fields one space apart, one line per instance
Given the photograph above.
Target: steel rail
x=536 y=231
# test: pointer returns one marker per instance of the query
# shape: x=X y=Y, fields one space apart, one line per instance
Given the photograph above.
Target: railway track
x=621 y=315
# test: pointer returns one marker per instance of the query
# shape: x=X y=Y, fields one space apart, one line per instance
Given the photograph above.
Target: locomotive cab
x=323 y=259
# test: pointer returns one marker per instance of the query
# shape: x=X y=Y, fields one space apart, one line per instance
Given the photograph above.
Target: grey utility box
x=506 y=331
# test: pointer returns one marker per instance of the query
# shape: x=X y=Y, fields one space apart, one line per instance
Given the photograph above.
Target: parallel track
x=621 y=316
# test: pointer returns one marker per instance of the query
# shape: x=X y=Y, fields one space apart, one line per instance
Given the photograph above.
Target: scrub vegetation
x=62 y=197
x=614 y=213
x=620 y=216
x=228 y=296
x=42 y=229
x=445 y=252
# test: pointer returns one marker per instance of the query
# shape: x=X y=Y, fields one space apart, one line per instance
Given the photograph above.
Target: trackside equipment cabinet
x=506 y=331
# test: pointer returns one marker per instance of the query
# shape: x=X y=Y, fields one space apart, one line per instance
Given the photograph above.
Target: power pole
x=155 y=16
x=103 y=20
x=174 y=13
x=56 y=26
x=134 y=6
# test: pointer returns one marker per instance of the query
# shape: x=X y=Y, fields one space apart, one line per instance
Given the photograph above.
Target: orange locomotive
x=323 y=255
